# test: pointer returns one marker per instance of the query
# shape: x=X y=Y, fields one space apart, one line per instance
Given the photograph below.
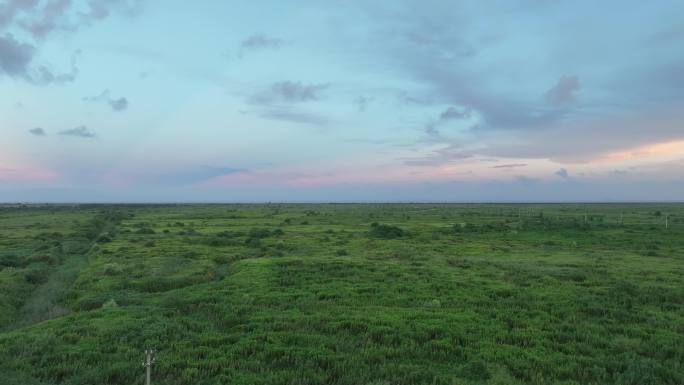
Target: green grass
x=343 y=294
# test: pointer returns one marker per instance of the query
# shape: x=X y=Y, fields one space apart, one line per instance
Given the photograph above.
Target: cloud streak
x=510 y=165
x=295 y=117
x=80 y=132
x=260 y=42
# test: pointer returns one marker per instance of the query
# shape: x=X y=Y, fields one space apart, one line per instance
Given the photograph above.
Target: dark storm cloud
x=37 y=131
x=80 y=131
x=563 y=93
x=261 y=41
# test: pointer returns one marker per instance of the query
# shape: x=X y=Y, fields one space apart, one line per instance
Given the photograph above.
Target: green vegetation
x=342 y=294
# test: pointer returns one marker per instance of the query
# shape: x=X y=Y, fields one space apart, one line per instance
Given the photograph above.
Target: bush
x=10 y=260
x=385 y=231
x=36 y=276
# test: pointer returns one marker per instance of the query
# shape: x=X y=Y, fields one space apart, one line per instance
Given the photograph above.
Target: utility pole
x=149 y=360
x=666 y=221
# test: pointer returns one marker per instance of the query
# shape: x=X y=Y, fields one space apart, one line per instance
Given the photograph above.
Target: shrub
x=253 y=242
x=36 y=276
x=385 y=231
x=10 y=260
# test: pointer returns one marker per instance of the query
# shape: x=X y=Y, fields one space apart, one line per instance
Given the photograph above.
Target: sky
x=341 y=101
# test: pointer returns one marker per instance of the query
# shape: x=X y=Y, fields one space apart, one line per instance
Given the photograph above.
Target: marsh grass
x=312 y=294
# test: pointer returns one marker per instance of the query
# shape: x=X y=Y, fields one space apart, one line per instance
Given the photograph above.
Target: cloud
x=37 y=131
x=48 y=19
x=563 y=173
x=15 y=57
x=59 y=15
x=11 y=8
x=444 y=51
x=361 y=103
x=453 y=113
x=442 y=156
x=588 y=140
x=563 y=93
x=101 y=9
x=289 y=92
x=260 y=41
x=297 y=91
x=511 y=165
x=43 y=75
x=296 y=117
x=37 y=20
x=117 y=104
x=80 y=131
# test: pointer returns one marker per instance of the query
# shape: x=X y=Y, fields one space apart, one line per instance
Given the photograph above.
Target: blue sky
x=108 y=100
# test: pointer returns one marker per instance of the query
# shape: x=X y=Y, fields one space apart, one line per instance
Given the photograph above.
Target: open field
x=343 y=294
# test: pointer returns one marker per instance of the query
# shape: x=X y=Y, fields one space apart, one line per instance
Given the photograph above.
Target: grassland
x=343 y=294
